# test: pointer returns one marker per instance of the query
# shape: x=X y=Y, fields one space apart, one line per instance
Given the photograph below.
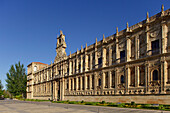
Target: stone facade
x=131 y=64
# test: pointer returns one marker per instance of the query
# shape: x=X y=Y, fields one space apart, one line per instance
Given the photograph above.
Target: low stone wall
x=42 y=98
x=147 y=99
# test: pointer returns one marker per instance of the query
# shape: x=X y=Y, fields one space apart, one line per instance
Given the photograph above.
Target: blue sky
x=28 y=28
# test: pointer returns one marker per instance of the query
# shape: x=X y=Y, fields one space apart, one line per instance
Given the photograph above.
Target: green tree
x=1 y=87
x=16 y=80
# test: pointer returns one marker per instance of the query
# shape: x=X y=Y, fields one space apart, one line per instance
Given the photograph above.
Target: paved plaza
x=13 y=106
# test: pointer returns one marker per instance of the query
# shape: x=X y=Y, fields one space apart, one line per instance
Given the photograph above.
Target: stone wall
x=147 y=99
x=42 y=98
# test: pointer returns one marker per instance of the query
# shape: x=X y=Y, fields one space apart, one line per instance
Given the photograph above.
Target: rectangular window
x=75 y=83
x=92 y=81
x=75 y=68
x=113 y=79
x=83 y=83
x=93 y=61
x=122 y=56
x=106 y=80
x=155 y=47
x=99 y=62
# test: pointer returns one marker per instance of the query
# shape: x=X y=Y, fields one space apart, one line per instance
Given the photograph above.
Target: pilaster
x=164 y=37
x=116 y=81
x=96 y=58
x=109 y=79
x=104 y=57
x=103 y=80
x=110 y=56
x=85 y=82
x=86 y=61
x=91 y=64
x=127 y=79
x=146 y=77
x=128 y=48
x=81 y=83
x=148 y=44
x=163 y=74
x=117 y=51
x=137 y=73
x=137 y=47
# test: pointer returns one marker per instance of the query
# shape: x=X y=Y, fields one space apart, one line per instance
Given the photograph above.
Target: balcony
x=155 y=51
x=154 y=83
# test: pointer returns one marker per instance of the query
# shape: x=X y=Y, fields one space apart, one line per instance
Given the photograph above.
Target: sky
x=29 y=28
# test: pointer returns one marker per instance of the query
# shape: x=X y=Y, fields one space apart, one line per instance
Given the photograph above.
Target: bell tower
x=61 y=47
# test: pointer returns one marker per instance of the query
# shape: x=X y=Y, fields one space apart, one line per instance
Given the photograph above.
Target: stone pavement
x=13 y=106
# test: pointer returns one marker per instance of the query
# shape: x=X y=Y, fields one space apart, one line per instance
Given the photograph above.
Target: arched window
x=122 y=79
x=155 y=75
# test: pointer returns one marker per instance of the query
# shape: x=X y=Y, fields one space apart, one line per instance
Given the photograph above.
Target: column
x=91 y=57
x=117 y=51
x=137 y=73
x=168 y=23
x=137 y=47
x=73 y=84
x=146 y=77
x=110 y=56
x=95 y=82
x=163 y=75
x=109 y=79
x=81 y=83
x=81 y=63
x=77 y=83
x=86 y=62
x=164 y=35
x=62 y=90
x=148 y=44
x=116 y=81
x=85 y=82
x=96 y=58
x=127 y=79
x=69 y=85
x=70 y=67
x=90 y=82
x=104 y=57
x=73 y=66
x=103 y=80
x=128 y=48
x=77 y=65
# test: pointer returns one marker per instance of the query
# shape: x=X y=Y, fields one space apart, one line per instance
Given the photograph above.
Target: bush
x=90 y=103
x=103 y=102
x=73 y=102
x=132 y=103
x=161 y=107
x=18 y=96
x=121 y=105
x=82 y=101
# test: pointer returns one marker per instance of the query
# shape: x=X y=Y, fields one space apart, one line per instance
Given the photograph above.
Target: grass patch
x=110 y=104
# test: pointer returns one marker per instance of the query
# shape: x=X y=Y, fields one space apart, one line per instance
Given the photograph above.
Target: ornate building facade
x=124 y=67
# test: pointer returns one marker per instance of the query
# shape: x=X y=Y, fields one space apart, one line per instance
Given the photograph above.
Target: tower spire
x=61 y=32
x=86 y=46
x=117 y=32
x=103 y=38
x=162 y=10
x=127 y=26
x=147 y=17
x=96 y=41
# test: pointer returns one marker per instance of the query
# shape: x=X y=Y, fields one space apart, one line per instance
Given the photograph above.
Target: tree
x=1 y=87
x=16 y=80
